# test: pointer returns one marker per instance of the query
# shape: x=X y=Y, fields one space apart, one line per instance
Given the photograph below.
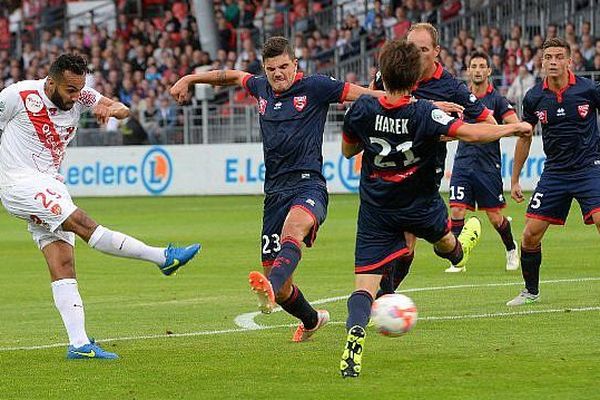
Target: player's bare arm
x=349 y=150
x=107 y=108
x=180 y=89
x=521 y=153
x=484 y=133
x=355 y=91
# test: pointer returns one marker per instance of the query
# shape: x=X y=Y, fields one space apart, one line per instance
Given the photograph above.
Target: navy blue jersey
x=484 y=156
x=442 y=86
x=399 y=141
x=569 y=123
x=291 y=126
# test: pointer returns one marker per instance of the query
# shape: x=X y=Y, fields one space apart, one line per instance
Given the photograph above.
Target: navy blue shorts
x=475 y=189
x=380 y=233
x=313 y=199
x=552 y=198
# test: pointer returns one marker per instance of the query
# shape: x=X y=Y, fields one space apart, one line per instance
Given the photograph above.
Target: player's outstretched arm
x=484 y=133
x=349 y=150
x=107 y=108
x=180 y=89
x=521 y=153
x=355 y=91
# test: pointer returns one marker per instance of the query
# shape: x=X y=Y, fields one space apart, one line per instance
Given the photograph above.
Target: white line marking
x=246 y=321
x=248 y=318
x=238 y=330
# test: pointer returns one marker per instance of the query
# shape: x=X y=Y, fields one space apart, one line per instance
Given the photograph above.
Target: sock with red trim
x=286 y=262
x=506 y=234
x=359 y=309
x=454 y=256
x=456 y=225
x=297 y=306
x=530 y=268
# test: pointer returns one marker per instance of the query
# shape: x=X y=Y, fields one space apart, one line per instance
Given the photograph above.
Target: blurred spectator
x=402 y=23
x=522 y=83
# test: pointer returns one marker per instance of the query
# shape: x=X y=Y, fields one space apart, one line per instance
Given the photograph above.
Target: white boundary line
x=246 y=321
x=269 y=327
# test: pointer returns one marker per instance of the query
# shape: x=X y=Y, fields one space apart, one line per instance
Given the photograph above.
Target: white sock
x=121 y=245
x=70 y=306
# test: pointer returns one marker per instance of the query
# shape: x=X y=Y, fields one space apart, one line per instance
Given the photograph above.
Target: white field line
x=246 y=321
x=321 y=301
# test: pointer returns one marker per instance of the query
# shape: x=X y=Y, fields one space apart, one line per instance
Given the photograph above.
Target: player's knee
x=458 y=212
x=80 y=223
x=531 y=239
x=296 y=229
x=495 y=218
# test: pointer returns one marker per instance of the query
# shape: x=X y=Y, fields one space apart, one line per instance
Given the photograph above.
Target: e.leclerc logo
x=155 y=173
x=157 y=170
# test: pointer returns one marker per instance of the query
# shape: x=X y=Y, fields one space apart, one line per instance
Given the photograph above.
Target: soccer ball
x=394 y=314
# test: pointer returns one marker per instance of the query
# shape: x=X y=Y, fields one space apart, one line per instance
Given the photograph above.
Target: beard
x=59 y=102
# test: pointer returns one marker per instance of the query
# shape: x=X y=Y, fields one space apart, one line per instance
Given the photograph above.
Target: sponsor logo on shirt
x=277 y=106
x=560 y=112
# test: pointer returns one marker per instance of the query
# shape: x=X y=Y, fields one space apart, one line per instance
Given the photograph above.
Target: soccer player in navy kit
x=476 y=180
x=566 y=107
x=438 y=85
x=398 y=190
x=293 y=109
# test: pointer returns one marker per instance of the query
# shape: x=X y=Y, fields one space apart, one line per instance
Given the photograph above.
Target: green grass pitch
x=177 y=338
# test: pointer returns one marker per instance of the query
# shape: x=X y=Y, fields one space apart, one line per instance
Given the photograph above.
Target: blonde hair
x=425 y=26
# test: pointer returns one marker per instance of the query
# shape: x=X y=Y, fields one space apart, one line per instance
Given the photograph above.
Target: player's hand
x=523 y=129
x=516 y=193
x=444 y=138
x=180 y=90
x=449 y=107
x=102 y=113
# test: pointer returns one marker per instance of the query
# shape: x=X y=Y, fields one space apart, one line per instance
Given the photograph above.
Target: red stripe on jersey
x=44 y=128
x=394 y=176
x=454 y=127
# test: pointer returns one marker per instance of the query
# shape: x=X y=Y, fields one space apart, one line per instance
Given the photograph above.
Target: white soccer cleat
x=452 y=269
x=524 y=298
x=513 y=262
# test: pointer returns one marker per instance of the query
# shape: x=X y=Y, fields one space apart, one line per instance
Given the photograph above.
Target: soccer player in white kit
x=38 y=119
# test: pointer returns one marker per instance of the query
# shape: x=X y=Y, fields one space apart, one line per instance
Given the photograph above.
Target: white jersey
x=35 y=131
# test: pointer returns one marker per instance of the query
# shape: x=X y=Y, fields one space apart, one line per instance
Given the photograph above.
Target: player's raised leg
x=502 y=226
x=531 y=260
x=459 y=251
x=168 y=259
x=60 y=260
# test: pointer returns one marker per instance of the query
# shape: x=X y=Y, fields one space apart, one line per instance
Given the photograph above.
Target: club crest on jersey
x=542 y=116
x=583 y=110
x=299 y=103
x=262 y=106
x=33 y=103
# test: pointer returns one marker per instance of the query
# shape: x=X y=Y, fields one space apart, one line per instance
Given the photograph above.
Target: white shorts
x=45 y=203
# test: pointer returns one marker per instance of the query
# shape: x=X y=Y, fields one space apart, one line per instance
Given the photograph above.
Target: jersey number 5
x=404 y=148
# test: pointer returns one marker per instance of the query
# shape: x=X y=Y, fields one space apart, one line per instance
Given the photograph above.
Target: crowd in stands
x=143 y=57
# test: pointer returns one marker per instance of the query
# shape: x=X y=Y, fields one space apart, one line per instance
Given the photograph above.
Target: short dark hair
x=400 y=65
x=481 y=54
x=68 y=62
x=276 y=46
x=557 y=42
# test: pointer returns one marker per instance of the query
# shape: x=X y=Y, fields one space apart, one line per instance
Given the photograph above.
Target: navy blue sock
x=456 y=225
x=530 y=268
x=402 y=268
x=455 y=256
x=297 y=306
x=286 y=262
x=506 y=235
x=359 y=309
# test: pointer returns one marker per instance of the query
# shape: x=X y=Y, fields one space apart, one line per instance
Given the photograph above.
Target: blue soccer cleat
x=177 y=257
x=90 y=350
